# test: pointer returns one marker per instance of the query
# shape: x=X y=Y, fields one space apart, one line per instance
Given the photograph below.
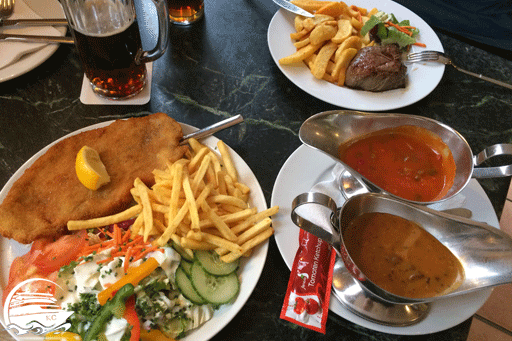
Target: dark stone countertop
x=221 y=67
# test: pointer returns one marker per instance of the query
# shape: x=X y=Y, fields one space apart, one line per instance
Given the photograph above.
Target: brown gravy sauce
x=401 y=257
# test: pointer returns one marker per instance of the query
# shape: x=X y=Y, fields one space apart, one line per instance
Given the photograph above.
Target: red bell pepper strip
x=130 y=315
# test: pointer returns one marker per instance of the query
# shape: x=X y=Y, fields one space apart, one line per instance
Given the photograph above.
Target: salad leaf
x=390 y=35
x=377 y=18
x=396 y=37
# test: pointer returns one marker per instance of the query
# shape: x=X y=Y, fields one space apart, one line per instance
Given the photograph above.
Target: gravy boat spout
x=326 y=131
x=484 y=252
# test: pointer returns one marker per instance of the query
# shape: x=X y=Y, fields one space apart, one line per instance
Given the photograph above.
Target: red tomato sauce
x=407 y=161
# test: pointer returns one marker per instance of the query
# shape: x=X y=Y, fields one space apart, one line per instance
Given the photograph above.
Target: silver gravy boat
x=484 y=251
x=326 y=131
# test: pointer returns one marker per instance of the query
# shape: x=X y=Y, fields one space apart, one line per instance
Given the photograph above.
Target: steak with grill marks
x=376 y=68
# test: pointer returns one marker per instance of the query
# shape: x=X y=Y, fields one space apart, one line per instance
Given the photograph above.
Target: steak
x=376 y=68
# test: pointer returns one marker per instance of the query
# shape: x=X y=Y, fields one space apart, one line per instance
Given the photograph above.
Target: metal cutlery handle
x=37 y=39
x=293 y=8
x=506 y=85
x=210 y=130
x=33 y=22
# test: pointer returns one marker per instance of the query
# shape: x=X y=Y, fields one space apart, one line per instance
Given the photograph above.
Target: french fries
x=198 y=203
x=329 y=41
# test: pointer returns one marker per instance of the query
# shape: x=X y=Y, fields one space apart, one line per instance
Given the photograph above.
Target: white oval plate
x=422 y=78
x=45 y=9
x=305 y=168
x=250 y=268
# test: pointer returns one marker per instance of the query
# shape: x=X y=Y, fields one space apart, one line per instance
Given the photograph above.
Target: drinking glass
x=107 y=38
x=185 y=12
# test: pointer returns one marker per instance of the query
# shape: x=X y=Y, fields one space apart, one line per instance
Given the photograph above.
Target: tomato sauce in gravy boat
x=327 y=131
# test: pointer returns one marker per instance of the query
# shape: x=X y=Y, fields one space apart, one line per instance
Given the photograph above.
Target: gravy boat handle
x=307 y=225
x=486 y=154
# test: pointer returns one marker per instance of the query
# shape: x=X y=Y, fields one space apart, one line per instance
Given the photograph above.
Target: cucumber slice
x=214 y=289
x=212 y=264
x=184 y=255
x=187 y=267
x=186 y=288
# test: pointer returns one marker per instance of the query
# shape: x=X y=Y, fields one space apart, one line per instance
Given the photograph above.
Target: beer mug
x=109 y=45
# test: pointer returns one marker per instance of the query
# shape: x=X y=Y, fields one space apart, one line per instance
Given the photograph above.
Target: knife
x=33 y=22
x=292 y=8
x=36 y=39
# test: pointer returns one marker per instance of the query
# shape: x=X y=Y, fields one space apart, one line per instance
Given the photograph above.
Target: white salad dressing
x=90 y=277
x=115 y=329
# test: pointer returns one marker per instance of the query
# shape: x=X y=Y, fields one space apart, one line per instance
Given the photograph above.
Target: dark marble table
x=221 y=67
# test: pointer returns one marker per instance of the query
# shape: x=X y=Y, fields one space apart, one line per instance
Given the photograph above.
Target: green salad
x=386 y=29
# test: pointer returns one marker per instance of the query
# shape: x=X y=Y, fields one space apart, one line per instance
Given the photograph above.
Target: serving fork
x=439 y=57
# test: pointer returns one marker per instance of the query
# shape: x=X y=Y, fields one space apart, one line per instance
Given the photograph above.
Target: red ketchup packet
x=307 y=298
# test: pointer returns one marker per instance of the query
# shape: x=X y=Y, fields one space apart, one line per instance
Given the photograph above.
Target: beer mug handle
x=162 y=11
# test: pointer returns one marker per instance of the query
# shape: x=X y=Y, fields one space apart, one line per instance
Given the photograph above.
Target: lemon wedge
x=90 y=170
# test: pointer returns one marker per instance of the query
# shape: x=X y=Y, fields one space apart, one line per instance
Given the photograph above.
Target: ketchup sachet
x=307 y=298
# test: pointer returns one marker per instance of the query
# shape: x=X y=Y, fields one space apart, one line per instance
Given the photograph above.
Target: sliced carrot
x=420 y=44
x=126 y=236
x=127 y=259
x=106 y=260
x=143 y=253
x=108 y=233
x=400 y=28
x=121 y=244
x=136 y=240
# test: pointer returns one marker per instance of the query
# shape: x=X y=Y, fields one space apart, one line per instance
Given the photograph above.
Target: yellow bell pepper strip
x=133 y=276
x=130 y=315
x=154 y=335
x=62 y=336
x=106 y=312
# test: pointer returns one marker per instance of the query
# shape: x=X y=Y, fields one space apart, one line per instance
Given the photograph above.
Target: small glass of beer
x=108 y=41
x=185 y=12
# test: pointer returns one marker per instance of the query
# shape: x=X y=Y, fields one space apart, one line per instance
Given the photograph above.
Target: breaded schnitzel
x=48 y=194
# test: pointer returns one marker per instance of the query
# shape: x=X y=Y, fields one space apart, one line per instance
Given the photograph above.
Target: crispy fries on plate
x=198 y=203
x=328 y=42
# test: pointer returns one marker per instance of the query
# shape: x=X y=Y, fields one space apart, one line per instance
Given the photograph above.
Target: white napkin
x=87 y=96
x=11 y=52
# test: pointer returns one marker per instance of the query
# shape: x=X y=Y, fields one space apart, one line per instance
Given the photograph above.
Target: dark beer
x=109 y=61
x=185 y=11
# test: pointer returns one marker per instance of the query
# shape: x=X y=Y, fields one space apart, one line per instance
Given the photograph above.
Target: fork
x=435 y=56
x=6 y=8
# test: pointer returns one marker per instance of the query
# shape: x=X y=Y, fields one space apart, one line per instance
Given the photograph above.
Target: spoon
x=212 y=129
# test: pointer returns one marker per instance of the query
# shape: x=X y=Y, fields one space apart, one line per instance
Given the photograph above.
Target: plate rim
x=255 y=263
x=347 y=98
x=39 y=57
x=323 y=165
